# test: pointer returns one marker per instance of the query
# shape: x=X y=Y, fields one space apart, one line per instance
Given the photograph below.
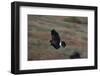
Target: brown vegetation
x=73 y=30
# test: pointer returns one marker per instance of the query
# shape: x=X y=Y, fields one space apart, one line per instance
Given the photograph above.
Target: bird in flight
x=55 y=40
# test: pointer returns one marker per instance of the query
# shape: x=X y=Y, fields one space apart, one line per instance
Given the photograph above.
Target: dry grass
x=73 y=30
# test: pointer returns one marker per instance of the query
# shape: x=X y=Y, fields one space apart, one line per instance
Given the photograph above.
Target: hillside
x=73 y=30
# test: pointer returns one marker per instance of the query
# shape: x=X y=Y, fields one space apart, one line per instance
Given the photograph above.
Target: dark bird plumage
x=55 y=42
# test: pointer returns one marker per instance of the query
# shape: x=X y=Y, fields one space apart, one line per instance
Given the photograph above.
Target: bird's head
x=63 y=44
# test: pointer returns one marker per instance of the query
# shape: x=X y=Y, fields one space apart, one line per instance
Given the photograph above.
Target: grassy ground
x=72 y=30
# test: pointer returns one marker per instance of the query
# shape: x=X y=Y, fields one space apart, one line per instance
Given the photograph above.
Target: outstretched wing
x=55 y=36
x=55 y=42
x=55 y=39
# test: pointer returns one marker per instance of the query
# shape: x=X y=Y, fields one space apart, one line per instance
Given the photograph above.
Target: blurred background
x=72 y=30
